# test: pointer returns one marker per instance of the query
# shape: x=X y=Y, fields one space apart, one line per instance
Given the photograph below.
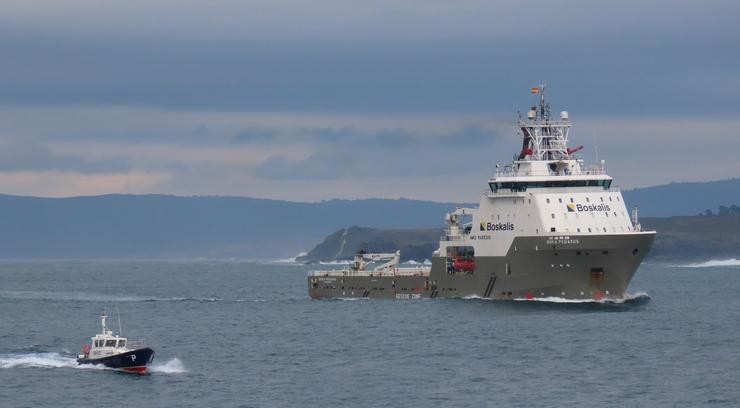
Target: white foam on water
x=552 y=299
x=56 y=360
x=713 y=263
x=289 y=260
x=42 y=360
x=171 y=366
x=282 y=261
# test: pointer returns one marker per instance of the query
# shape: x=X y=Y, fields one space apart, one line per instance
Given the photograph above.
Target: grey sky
x=309 y=101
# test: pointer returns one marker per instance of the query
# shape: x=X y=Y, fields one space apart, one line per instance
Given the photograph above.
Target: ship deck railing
x=509 y=171
x=505 y=192
x=393 y=272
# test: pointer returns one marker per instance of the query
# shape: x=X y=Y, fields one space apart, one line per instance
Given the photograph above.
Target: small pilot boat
x=115 y=351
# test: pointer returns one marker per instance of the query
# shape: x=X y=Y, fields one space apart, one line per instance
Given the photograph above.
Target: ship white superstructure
x=548 y=225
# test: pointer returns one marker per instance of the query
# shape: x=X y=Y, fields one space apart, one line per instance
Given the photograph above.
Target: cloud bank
x=309 y=101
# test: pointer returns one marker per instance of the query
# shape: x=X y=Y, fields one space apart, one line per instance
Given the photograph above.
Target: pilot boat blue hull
x=134 y=361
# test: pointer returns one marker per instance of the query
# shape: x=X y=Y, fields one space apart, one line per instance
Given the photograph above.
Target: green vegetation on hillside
x=415 y=244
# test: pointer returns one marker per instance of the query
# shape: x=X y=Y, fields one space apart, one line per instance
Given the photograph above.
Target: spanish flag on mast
x=535 y=89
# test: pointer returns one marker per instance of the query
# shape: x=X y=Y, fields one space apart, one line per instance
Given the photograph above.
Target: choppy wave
x=57 y=360
x=712 y=263
x=289 y=260
x=101 y=298
x=96 y=297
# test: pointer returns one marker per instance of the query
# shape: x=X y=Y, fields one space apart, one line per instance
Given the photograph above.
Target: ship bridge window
x=110 y=343
x=121 y=343
x=520 y=186
x=460 y=259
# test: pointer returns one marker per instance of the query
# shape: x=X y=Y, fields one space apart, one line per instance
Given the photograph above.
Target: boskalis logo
x=588 y=208
x=501 y=226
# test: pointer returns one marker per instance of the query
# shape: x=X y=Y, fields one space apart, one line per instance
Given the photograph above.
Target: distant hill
x=684 y=238
x=414 y=244
x=164 y=226
x=161 y=226
x=695 y=237
x=683 y=198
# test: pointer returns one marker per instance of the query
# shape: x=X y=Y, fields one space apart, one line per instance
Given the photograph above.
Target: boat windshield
x=121 y=343
x=110 y=343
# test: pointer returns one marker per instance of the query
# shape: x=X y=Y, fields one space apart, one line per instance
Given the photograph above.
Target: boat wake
x=57 y=360
x=714 y=263
x=43 y=360
x=171 y=366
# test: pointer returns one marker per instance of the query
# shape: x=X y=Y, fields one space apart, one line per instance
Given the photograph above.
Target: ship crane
x=393 y=259
x=454 y=218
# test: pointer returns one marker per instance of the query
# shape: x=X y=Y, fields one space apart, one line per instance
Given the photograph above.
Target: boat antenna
x=596 y=149
x=120 y=331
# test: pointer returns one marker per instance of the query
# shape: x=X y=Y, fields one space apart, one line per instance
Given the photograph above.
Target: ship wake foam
x=637 y=298
x=42 y=360
x=171 y=366
x=713 y=263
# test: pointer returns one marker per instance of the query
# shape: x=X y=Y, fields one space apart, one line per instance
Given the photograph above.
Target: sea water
x=247 y=334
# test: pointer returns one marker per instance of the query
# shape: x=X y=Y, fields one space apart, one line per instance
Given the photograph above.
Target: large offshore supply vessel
x=547 y=226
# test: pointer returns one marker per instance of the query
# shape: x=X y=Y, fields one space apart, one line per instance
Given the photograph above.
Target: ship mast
x=542 y=137
x=103 y=317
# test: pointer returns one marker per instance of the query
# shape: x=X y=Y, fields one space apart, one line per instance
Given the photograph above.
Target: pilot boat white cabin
x=106 y=343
